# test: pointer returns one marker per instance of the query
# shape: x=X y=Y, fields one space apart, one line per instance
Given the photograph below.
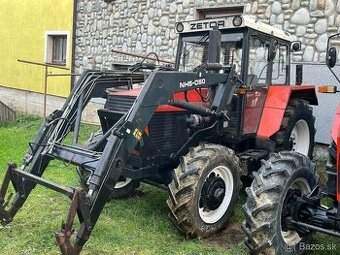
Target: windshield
x=195 y=51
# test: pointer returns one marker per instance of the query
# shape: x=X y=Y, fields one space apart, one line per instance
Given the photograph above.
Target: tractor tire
x=204 y=190
x=297 y=131
x=266 y=203
x=123 y=188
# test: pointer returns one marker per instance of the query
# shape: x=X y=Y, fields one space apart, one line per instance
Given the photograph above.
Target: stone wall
x=148 y=25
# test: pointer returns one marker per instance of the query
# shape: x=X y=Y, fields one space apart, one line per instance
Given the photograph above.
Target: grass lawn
x=137 y=225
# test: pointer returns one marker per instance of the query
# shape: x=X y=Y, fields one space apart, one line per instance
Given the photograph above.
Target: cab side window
x=258 y=61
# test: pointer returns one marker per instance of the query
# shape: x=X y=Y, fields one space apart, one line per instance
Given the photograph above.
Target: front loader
x=193 y=129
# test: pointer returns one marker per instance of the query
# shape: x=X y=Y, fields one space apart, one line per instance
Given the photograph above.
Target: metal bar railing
x=46 y=65
x=42 y=64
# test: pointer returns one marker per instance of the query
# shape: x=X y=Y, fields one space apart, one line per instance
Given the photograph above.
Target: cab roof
x=228 y=22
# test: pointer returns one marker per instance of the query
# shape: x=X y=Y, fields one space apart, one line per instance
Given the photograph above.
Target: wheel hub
x=213 y=192
x=297 y=188
x=292 y=196
x=216 y=194
x=299 y=139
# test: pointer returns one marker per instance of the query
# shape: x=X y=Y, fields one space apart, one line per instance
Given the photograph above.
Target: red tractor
x=193 y=129
x=285 y=203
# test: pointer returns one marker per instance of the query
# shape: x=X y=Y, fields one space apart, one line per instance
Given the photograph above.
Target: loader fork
x=79 y=204
x=5 y=216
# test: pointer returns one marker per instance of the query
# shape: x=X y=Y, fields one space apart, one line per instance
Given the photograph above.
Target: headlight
x=179 y=27
x=237 y=21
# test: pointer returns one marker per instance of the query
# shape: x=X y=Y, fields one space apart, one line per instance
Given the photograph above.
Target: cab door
x=262 y=73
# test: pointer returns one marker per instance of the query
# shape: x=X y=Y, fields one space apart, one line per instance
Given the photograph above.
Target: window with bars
x=56 y=48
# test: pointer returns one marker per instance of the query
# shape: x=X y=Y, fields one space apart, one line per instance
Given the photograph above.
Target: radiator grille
x=167 y=131
x=119 y=103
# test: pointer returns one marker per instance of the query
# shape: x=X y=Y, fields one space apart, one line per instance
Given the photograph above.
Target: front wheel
x=205 y=190
x=124 y=186
x=267 y=208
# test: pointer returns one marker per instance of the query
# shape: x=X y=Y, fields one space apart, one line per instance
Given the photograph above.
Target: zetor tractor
x=285 y=205
x=193 y=129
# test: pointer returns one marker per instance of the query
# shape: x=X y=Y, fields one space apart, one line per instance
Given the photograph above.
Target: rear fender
x=276 y=104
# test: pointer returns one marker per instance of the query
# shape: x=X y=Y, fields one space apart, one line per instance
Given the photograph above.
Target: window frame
x=215 y=12
x=286 y=67
x=231 y=31
x=49 y=47
x=266 y=37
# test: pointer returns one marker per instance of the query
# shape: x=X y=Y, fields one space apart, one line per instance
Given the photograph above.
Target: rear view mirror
x=214 y=46
x=331 y=57
x=296 y=46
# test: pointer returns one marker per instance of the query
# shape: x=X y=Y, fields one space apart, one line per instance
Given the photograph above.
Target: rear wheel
x=297 y=129
x=268 y=200
x=205 y=190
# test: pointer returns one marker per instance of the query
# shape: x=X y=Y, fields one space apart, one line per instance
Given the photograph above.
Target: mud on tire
x=205 y=190
x=265 y=203
x=297 y=131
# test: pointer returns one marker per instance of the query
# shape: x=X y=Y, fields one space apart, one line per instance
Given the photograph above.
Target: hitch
x=307 y=214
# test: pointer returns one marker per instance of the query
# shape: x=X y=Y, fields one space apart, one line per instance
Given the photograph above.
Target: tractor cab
x=259 y=51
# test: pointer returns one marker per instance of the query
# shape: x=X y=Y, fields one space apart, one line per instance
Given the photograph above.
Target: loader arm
x=122 y=139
